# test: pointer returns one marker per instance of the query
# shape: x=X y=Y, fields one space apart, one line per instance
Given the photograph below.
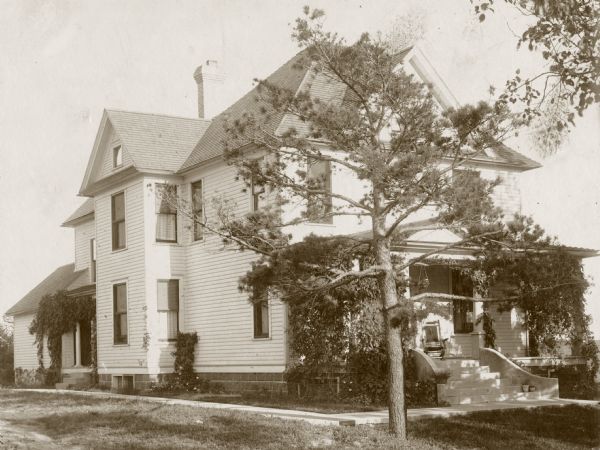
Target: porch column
x=77 y=345
x=477 y=335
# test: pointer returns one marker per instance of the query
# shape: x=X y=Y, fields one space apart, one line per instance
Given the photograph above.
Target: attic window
x=117 y=156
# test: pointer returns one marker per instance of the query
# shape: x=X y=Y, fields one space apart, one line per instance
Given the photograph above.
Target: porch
x=76 y=356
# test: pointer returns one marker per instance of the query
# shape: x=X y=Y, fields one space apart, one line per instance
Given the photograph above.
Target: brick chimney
x=210 y=82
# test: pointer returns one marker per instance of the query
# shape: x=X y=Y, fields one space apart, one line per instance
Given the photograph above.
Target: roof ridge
x=171 y=116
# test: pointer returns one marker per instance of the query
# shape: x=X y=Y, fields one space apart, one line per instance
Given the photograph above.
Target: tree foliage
x=56 y=315
x=524 y=268
x=566 y=34
x=386 y=130
x=6 y=354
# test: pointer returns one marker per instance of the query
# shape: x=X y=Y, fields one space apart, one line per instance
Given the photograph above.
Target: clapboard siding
x=84 y=233
x=214 y=307
x=507 y=194
x=109 y=141
x=25 y=350
x=121 y=266
x=511 y=335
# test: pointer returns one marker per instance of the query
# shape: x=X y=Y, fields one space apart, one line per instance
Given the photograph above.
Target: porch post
x=77 y=345
x=477 y=334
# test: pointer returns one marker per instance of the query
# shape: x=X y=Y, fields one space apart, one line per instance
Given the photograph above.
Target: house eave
x=77 y=221
x=117 y=177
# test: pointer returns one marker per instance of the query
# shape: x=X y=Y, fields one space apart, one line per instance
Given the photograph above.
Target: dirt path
x=21 y=437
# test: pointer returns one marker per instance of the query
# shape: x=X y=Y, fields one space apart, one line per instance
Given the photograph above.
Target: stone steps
x=470 y=383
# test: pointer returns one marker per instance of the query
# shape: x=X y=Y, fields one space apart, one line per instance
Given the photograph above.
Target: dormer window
x=117 y=156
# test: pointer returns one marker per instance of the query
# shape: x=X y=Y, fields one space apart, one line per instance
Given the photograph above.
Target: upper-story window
x=197 y=209
x=118 y=221
x=117 y=155
x=258 y=190
x=318 y=177
x=166 y=213
x=168 y=308
x=93 y=260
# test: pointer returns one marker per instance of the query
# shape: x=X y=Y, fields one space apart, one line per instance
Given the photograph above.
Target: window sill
x=118 y=250
x=167 y=243
x=264 y=338
x=168 y=341
x=120 y=345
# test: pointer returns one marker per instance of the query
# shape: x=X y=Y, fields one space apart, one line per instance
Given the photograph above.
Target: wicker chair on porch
x=433 y=344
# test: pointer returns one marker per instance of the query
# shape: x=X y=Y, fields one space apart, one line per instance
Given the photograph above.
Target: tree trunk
x=393 y=337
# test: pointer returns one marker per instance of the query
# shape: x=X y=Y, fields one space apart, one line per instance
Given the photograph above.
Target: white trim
x=193 y=180
x=112 y=292
x=180 y=315
x=124 y=192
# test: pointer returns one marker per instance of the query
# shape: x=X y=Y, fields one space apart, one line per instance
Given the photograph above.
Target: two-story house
x=154 y=272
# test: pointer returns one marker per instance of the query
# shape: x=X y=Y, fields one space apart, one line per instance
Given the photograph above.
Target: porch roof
x=62 y=278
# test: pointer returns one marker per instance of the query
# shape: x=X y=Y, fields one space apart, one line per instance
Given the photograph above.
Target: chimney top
x=209 y=80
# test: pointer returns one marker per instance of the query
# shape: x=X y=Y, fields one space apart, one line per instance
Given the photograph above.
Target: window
x=168 y=308
x=197 y=209
x=261 y=318
x=120 y=313
x=93 y=260
x=166 y=213
x=462 y=310
x=118 y=221
x=117 y=156
x=258 y=190
x=319 y=207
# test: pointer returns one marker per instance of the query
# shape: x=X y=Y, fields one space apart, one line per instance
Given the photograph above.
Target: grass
x=73 y=421
x=273 y=401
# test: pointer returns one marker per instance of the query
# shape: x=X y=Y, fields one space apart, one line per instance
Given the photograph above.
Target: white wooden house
x=153 y=272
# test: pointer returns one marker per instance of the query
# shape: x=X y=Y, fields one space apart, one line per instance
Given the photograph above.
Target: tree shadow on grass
x=120 y=429
x=540 y=428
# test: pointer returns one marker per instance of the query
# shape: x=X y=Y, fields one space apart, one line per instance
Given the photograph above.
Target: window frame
x=117 y=153
x=328 y=204
x=115 y=223
x=196 y=227
x=168 y=280
x=117 y=315
x=93 y=259
x=159 y=213
x=257 y=309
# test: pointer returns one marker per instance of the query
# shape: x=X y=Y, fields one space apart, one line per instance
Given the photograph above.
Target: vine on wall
x=58 y=314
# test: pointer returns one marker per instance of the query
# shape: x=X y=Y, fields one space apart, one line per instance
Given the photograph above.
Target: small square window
x=117 y=156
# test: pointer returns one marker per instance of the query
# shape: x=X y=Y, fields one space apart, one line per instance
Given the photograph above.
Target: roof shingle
x=86 y=208
x=58 y=280
x=157 y=142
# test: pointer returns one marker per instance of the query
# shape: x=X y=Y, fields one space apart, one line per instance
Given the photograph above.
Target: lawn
x=71 y=421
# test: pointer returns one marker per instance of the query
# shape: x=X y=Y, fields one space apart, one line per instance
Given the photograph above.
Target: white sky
x=64 y=61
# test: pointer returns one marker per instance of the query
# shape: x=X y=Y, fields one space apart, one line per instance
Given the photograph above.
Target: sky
x=64 y=61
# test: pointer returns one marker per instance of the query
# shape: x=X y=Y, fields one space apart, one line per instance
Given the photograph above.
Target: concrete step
x=492 y=382
x=465 y=399
x=459 y=362
x=474 y=376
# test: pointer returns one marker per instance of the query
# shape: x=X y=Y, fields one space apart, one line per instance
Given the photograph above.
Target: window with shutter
x=166 y=213
x=168 y=308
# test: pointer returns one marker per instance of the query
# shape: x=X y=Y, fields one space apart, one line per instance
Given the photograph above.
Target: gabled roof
x=294 y=75
x=60 y=279
x=153 y=142
x=85 y=211
x=289 y=76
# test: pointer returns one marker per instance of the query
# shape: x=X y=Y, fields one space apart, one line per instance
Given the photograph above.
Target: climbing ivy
x=56 y=315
